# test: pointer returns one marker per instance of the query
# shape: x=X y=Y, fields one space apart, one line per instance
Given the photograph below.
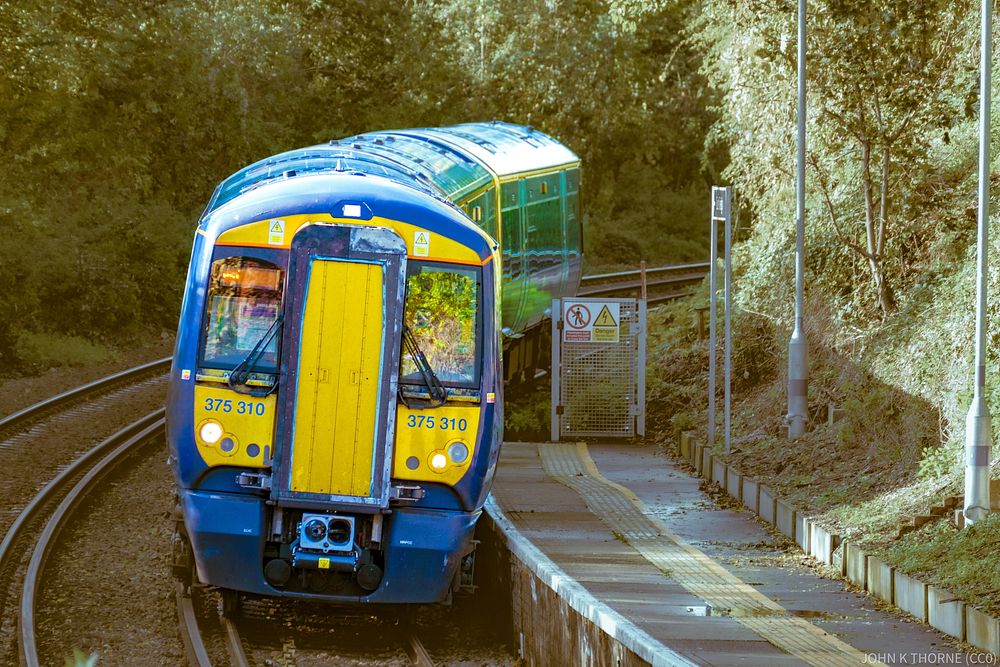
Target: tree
x=885 y=79
x=882 y=74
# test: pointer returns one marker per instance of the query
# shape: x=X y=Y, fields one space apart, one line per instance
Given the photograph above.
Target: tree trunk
x=875 y=228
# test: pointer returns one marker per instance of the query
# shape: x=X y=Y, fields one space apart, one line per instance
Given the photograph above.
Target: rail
x=32 y=411
x=663 y=282
x=418 y=654
x=113 y=450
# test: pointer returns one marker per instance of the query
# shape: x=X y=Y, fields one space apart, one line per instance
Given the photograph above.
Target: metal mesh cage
x=598 y=384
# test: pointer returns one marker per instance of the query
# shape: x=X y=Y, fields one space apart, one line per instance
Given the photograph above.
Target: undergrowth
x=39 y=351
x=957 y=560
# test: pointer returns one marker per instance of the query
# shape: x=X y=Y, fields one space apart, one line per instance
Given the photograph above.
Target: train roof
x=327 y=191
x=450 y=163
x=504 y=148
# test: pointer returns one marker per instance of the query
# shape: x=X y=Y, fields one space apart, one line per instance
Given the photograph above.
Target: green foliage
x=955 y=559
x=81 y=659
x=888 y=83
x=935 y=462
x=120 y=119
x=527 y=413
x=39 y=350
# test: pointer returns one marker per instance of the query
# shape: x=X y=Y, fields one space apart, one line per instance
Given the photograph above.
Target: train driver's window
x=242 y=307
x=442 y=312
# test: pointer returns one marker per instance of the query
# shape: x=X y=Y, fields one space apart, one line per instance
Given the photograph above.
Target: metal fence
x=598 y=369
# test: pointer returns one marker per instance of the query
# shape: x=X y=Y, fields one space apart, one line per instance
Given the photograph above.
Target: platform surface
x=711 y=584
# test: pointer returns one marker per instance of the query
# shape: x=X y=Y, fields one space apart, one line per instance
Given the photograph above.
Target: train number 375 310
x=441 y=423
x=239 y=407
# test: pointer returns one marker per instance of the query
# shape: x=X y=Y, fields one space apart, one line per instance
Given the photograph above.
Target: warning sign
x=276 y=232
x=580 y=326
x=421 y=244
x=606 y=325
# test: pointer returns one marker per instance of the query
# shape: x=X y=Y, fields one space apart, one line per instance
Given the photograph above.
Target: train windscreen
x=442 y=313
x=243 y=304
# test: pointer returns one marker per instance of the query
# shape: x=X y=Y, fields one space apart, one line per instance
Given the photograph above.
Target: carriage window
x=442 y=312
x=244 y=300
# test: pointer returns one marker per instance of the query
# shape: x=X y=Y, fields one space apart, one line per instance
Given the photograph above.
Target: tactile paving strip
x=626 y=515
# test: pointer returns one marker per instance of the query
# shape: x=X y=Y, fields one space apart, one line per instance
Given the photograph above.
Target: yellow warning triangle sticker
x=278 y=226
x=605 y=319
x=421 y=239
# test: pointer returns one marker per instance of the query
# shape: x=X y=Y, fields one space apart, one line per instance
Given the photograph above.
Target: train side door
x=339 y=366
x=563 y=235
x=512 y=251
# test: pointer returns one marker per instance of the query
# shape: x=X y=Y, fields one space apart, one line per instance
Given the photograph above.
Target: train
x=351 y=312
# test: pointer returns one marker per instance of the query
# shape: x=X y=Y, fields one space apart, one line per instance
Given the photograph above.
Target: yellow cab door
x=342 y=335
x=341 y=352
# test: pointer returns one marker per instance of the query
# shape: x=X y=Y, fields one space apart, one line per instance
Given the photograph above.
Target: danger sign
x=580 y=325
x=421 y=243
x=276 y=232
x=606 y=325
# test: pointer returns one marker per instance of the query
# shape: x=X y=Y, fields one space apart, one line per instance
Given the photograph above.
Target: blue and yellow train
x=335 y=406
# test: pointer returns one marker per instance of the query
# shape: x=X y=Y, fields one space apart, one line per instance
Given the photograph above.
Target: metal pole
x=978 y=426
x=711 y=330
x=729 y=329
x=556 y=373
x=642 y=276
x=798 y=369
x=640 y=426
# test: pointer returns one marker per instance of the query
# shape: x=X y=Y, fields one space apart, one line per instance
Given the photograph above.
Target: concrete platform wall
x=553 y=619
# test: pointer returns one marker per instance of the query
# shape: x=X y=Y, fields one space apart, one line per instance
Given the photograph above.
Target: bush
x=45 y=350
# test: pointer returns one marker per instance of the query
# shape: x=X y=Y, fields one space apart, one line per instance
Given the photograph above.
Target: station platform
x=706 y=585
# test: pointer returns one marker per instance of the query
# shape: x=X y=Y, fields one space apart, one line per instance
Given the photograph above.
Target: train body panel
x=335 y=406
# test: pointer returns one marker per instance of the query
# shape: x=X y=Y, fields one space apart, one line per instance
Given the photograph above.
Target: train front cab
x=361 y=474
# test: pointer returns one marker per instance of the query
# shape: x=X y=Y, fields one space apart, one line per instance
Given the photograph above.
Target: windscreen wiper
x=241 y=372
x=435 y=389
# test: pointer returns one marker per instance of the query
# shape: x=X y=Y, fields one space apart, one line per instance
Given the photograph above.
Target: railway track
x=44 y=455
x=86 y=471
x=663 y=283
x=21 y=418
x=31 y=539
x=198 y=654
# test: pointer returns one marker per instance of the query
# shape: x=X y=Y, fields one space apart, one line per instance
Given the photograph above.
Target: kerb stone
x=879 y=581
x=821 y=544
x=749 y=493
x=684 y=445
x=981 y=630
x=839 y=559
x=706 y=463
x=857 y=565
x=910 y=595
x=802 y=528
x=945 y=612
x=719 y=472
x=734 y=481
x=766 y=504
x=784 y=518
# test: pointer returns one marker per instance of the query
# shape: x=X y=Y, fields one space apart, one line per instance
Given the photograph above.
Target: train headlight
x=210 y=431
x=315 y=529
x=458 y=452
x=439 y=461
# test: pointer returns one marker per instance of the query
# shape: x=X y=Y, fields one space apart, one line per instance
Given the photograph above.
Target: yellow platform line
x=690 y=567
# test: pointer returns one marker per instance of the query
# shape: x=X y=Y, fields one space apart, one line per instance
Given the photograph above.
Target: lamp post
x=978 y=424
x=798 y=369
